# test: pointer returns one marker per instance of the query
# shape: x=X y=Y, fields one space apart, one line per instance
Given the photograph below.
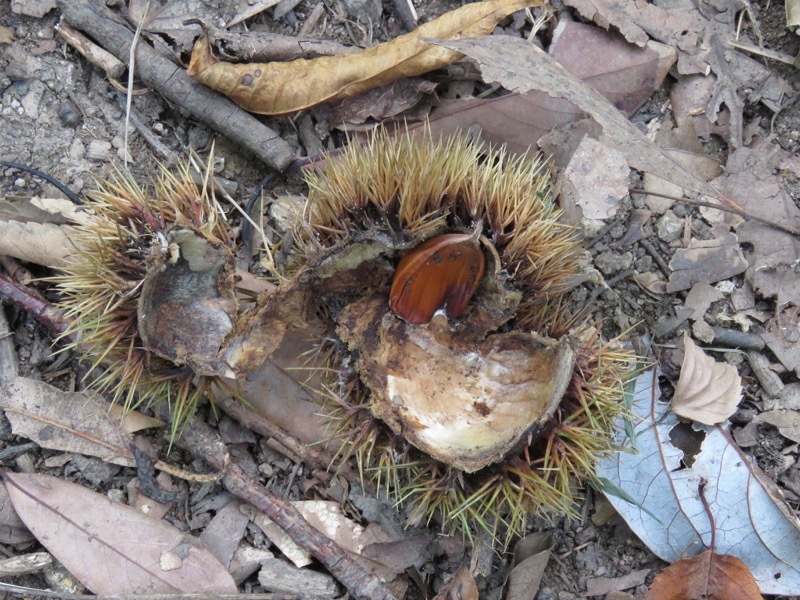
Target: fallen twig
x=41 y=310
x=360 y=584
x=113 y=67
x=172 y=82
x=731 y=208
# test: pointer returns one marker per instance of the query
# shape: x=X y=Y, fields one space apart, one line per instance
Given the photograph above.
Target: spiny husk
x=101 y=284
x=412 y=189
x=415 y=187
x=543 y=479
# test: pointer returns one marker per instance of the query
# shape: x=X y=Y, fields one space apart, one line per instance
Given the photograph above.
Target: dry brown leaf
x=67 y=421
x=520 y=66
x=709 y=576
x=787 y=422
x=132 y=421
x=461 y=587
x=111 y=548
x=706 y=260
x=625 y=74
x=531 y=555
x=43 y=244
x=12 y=529
x=707 y=391
x=280 y=88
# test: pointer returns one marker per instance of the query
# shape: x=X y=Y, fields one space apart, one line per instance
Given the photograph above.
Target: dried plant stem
x=41 y=310
x=731 y=208
x=203 y=443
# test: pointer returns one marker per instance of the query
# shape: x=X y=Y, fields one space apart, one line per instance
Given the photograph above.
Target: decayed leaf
x=625 y=74
x=520 y=66
x=280 y=88
x=792 y=13
x=708 y=575
x=531 y=555
x=516 y=120
x=706 y=260
x=605 y=586
x=67 y=421
x=461 y=587
x=665 y=510
x=132 y=421
x=787 y=421
x=520 y=120
x=12 y=529
x=596 y=179
x=752 y=180
x=708 y=391
x=112 y=548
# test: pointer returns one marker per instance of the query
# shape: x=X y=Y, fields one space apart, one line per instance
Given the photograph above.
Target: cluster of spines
x=101 y=285
x=543 y=479
x=417 y=187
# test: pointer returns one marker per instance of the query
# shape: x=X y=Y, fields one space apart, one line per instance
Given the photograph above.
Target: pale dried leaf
x=666 y=512
x=224 y=532
x=112 y=548
x=792 y=13
x=752 y=180
x=66 y=421
x=787 y=422
x=280 y=88
x=623 y=73
x=706 y=260
x=43 y=244
x=600 y=586
x=708 y=391
x=597 y=178
x=132 y=421
x=27 y=212
x=6 y=35
x=249 y=8
x=12 y=529
x=531 y=555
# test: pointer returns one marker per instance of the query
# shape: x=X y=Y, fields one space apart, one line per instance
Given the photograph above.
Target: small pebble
x=69 y=114
x=669 y=227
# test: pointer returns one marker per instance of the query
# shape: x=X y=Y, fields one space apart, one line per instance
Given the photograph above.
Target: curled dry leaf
x=707 y=391
x=707 y=575
x=280 y=88
x=531 y=555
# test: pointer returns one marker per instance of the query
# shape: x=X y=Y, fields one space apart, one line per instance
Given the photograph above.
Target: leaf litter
x=723 y=93
x=112 y=548
x=667 y=514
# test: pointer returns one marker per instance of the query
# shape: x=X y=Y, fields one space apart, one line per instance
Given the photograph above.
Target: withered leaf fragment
x=707 y=575
x=279 y=88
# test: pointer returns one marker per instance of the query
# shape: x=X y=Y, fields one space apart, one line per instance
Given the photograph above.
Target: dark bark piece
x=172 y=82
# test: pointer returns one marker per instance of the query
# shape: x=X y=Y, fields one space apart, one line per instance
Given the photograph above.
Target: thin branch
x=360 y=584
x=730 y=208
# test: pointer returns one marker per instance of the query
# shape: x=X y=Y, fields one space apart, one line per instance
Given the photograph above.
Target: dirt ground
x=60 y=115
